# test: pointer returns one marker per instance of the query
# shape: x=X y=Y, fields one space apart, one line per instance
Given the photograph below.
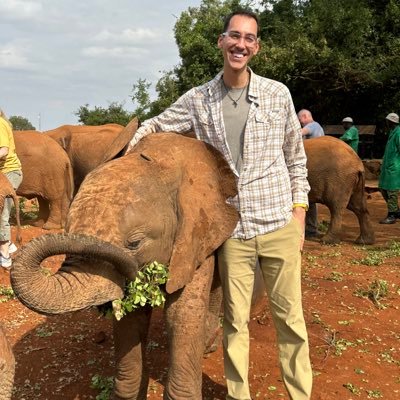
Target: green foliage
x=6 y=294
x=115 y=113
x=140 y=95
x=105 y=385
x=376 y=256
x=334 y=55
x=144 y=290
x=377 y=290
x=21 y=124
x=352 y=388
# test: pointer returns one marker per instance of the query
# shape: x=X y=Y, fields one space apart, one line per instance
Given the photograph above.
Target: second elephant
x=47 y=176
x=90 y=146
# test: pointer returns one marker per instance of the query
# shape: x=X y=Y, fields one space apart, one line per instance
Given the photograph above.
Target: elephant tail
x=17 y=217
x=358 y=198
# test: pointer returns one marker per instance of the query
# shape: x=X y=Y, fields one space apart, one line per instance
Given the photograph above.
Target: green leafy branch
x=144 y=290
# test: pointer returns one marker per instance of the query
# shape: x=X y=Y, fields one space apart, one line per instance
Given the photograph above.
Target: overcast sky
x=57 y=55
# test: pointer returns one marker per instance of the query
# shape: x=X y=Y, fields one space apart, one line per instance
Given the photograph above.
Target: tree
x=21 y=124
x=337 y=56
x=115 y=113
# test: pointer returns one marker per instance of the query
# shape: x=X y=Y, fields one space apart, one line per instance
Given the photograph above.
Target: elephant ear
x=121 y=140
x=205 y=219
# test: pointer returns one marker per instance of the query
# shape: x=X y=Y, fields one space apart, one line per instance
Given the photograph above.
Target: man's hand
x=300 y=214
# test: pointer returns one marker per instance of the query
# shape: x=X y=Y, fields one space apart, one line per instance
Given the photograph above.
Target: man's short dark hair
x=245 y=13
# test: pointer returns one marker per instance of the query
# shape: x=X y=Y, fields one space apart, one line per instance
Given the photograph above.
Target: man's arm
x=176 y=118
x=295 y=155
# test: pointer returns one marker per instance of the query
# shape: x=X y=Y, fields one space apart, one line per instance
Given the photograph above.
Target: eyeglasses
x=235 y=36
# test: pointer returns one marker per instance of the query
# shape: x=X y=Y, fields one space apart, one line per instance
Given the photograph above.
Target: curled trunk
x=94 y=273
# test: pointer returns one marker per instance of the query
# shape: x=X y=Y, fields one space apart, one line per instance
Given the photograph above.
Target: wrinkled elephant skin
x=7 y=367
x=337 y=179
x=165 y=201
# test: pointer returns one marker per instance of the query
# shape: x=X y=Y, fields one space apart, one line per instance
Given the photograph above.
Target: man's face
x=238 y=46
x=304 y=118
x=347 y=125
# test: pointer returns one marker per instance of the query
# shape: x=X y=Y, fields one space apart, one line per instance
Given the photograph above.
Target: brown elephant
x=90 y=146
x=337 y=178
x=7 y=367
x=7 y=190
x=47 y=176
x=165 y=201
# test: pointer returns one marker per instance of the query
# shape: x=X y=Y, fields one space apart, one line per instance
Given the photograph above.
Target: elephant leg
x=130 y=337
x=214 y=313
x=186 y=316
x=358 y=205
x=54 y=220
x=332 y=236
x=44 y=211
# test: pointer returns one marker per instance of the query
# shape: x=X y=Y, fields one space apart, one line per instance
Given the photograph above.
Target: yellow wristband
x=302 y=205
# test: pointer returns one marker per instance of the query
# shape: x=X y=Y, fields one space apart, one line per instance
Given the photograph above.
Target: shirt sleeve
x=176 y=118
x=295 y=155
x=4 y=133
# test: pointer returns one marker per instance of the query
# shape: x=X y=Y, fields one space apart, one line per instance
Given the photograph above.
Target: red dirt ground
x=355 y=346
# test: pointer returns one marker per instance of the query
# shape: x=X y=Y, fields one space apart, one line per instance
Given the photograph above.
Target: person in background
x=10 y=166
x=389 y=178
x=350 y=135
x=238 y=112
x=310 y=129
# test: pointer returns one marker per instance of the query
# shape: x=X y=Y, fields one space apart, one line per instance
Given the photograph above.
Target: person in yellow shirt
x=10 y=166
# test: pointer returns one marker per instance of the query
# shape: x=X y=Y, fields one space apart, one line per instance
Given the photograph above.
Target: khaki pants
x=280 y=261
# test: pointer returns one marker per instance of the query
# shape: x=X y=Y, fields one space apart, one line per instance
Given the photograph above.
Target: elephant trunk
x=93 y=274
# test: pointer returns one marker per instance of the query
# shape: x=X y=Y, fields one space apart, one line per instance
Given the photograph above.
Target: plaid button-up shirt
x=274 y=174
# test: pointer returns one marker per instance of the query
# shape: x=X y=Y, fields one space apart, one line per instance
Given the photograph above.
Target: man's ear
x=257 y=48
x=219 y=42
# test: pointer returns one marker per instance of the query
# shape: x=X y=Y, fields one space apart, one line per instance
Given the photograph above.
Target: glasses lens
x=236 y=36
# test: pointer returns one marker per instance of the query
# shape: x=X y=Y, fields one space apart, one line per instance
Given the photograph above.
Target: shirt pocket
x=205 y=128
x=269 y=127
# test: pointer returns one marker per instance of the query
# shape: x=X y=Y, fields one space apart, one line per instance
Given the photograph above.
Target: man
x=350 y=135
x=310 y=129
x=251 y=120
x=389 y=178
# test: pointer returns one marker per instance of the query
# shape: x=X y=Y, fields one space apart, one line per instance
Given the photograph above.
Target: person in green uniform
x=350 y=135
x=389 y=178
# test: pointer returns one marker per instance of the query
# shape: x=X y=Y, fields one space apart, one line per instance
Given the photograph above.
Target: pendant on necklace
x=234 y=103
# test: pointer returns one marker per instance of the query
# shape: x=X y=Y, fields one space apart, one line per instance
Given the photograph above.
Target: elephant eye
x=133 y=245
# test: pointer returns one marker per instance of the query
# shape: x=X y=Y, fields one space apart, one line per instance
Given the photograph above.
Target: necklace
x=234 y=101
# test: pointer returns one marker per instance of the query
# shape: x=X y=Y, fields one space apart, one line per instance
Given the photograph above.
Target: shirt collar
x=215 y=85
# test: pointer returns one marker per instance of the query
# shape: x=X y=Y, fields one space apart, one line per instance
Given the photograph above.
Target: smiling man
x=251 y=120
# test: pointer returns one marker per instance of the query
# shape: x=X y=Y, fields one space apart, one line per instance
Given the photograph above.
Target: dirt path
x=355 y=346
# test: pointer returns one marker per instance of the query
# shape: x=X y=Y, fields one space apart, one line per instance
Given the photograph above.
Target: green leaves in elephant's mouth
x=145 y=289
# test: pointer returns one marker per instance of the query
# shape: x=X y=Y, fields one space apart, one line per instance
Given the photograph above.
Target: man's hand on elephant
x=299 y=213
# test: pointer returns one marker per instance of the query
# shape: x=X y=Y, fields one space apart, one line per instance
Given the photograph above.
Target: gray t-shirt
x=235 y=109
